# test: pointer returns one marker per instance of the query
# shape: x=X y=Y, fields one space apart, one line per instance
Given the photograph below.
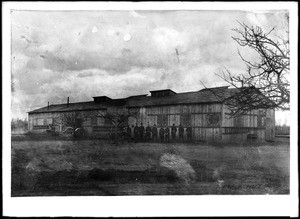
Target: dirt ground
x=94 y=167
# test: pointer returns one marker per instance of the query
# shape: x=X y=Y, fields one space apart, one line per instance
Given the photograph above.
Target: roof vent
x=101 y=99
x=162 y=93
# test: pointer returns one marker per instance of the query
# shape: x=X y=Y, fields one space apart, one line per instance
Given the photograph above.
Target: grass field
x=93 y=167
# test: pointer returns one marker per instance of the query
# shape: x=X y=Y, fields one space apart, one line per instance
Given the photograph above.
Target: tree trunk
x=116 y=135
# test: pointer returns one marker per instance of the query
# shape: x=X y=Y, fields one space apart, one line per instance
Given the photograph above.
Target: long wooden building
x=206 y=113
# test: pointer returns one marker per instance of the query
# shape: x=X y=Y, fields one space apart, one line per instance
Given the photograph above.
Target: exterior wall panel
x=195 y=114
x=200 y=116
x=253 y=122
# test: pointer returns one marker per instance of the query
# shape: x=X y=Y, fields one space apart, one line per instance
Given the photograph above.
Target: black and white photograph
x=134 y=100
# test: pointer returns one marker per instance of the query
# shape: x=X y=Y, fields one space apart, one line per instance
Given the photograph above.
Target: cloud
x=56 y=54
x=256 y=19
x=167 y=39
x=95 y=29
x=85 y=74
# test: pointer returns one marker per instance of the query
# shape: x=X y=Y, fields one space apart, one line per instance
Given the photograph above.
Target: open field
x=94 y=167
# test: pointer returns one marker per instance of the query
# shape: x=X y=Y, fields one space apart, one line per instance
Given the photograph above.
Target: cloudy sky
x=81 y=54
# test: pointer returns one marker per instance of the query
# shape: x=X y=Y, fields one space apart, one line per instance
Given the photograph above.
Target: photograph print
x=150 y=102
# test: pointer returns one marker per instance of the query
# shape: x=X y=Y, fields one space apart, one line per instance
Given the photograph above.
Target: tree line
x=19 y=124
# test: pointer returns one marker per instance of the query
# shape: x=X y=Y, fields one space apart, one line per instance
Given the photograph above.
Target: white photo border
x=122 y=206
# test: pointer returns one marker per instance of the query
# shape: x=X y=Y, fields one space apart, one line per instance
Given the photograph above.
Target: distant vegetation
x=282 y=130
x=19 y=125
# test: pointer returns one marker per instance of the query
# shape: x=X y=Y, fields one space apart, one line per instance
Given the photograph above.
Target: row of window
x=186 y=119
x=162 y=120
x=42 y=122
x=97 y=121
x=212 y=120
x=94 y=121
x=244 y=121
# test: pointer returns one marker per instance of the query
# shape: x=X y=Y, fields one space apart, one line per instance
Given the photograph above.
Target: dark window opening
x=213 y=120
x=162 y=120
x=185 y=119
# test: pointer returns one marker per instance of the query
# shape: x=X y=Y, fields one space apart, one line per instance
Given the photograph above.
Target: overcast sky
x=82 y=54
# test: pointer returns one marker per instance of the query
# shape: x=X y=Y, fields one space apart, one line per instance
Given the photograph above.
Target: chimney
x=48 y=106
x=68 y=102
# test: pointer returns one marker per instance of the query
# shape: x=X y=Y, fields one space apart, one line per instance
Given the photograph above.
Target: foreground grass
x=93 y=167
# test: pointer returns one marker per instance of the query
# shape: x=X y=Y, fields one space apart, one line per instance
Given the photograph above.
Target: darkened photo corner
x=150 y=102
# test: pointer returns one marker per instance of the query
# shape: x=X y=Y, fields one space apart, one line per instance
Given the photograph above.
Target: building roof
x=207 y=95
x=80 y=106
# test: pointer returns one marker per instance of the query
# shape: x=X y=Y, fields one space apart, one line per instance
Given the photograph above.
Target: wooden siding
x=237 y=128
x=55 y=119
x=210 y=122
x=197 y=114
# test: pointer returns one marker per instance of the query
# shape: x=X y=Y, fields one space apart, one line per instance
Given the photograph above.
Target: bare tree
x=73 y=119
x=266 y=82
x=118 y=117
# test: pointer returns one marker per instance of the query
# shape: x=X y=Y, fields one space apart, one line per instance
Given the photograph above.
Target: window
x=262 y=112
x=238 y=121
x=261 y=122
x=94 y=121
x=261 y=119
x=162 y=120
x=213 y=120
x=49 y=121
x=40 y=121
x=185 y=119
x=185 y=109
